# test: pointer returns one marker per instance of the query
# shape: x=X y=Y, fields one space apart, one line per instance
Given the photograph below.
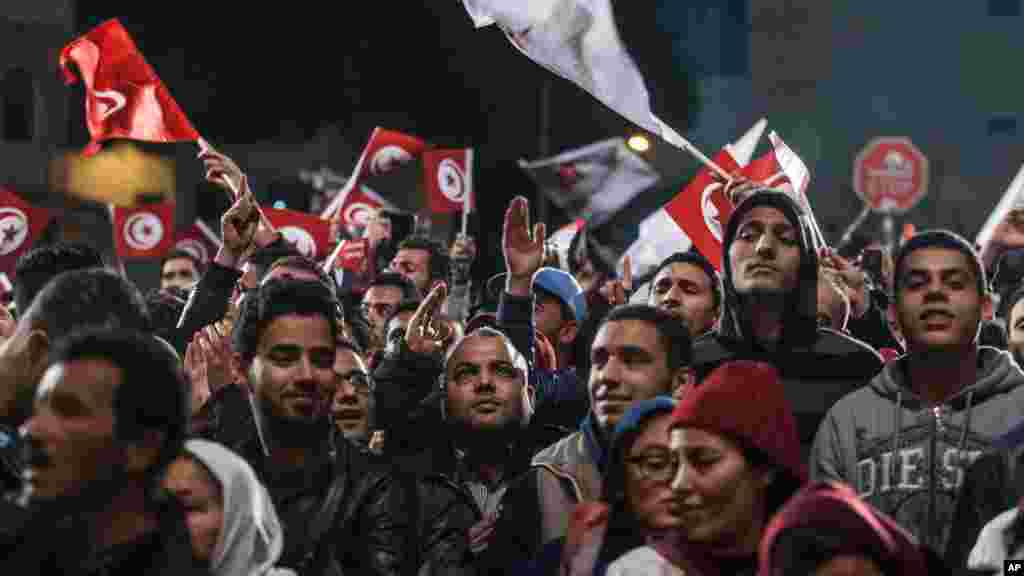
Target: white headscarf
x=251 y=539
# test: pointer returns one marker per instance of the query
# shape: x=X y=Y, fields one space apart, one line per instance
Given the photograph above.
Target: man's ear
x=567 y=333
x=142 y=454
x=37 y=351
x=684 y=379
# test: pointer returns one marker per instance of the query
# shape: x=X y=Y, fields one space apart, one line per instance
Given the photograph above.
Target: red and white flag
x=199 y=240
x=385 y=151
x=124 y=98
x=448 y=180
x=21 y=224
x=359 y=206
x=351 y=255
x=660 y=235
x=145 y=231
x=309 y=234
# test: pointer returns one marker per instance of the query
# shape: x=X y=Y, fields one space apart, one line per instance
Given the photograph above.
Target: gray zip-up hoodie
x=908 y=459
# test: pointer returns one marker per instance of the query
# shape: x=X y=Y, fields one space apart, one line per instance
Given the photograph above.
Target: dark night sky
x=267 y=73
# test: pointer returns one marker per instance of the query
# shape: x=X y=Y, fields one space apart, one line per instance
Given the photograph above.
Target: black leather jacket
x=369 y=532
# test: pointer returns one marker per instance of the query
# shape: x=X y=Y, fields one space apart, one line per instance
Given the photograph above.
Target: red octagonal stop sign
x=890 y=174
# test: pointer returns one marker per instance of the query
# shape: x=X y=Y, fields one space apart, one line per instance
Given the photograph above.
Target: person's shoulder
x=710 y=349
x=642 y=560
x=834 y=343
x=561 y=452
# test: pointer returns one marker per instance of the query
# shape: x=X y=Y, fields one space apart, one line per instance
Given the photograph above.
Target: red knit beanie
x=745 y=401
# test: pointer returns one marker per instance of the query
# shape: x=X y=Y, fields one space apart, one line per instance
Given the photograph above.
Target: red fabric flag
x=702 y=210
x=308 y=233
x=145 y=231
x=386 y=150
x=448 y=180
x=21 y=224
x=352 y=255
x=359 y=206
x=124 y=98
x=198 y=240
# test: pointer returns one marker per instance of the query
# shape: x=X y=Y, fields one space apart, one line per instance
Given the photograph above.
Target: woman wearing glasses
x=733 y=460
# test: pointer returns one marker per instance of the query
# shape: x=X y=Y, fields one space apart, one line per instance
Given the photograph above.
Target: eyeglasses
x=360 y=381
x=659 y=466
x=382 y=309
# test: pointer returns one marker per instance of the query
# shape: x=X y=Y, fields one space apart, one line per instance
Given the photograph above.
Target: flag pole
x=673 y=137
x=466 y=197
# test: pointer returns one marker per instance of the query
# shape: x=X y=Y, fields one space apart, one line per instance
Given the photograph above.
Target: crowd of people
x=797 y=413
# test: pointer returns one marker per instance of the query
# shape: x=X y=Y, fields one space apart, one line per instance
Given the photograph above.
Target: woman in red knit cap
x=738 y=460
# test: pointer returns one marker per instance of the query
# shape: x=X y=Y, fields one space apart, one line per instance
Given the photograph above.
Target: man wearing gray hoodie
x=904 y=440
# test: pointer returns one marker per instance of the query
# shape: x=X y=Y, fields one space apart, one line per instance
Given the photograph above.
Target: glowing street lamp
x=639 y=143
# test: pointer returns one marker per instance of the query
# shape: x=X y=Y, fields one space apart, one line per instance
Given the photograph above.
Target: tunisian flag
x=448 y=180
x=309 y=234
x=386 y=150
x=198 y=240
x=21 y=224
x=124 y=98
x=145 y=231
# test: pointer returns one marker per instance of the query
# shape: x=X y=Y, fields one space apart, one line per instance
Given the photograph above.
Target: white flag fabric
x=578 y=40
x=594 y=182
x=1013 y=199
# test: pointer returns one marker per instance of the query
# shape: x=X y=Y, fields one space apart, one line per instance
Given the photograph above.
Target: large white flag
x=578 y=40
x=593 y=182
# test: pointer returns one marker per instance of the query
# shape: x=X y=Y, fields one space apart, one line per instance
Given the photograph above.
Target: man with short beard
x=487 y=438
x=286 y=341
x=770 y=282
x=687 y=286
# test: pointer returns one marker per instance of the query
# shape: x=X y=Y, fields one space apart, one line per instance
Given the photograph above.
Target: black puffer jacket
x=369 y=532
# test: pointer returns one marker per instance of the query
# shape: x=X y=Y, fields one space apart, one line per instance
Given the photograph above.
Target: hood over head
x=251 y=539
x=801 y=306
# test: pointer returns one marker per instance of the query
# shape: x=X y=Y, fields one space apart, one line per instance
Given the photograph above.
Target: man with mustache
x=286 y=340
x=904 y=440
x=687 y=286
x=770 y=281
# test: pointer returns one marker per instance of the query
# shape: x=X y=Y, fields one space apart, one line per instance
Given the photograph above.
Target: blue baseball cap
x=563 y=286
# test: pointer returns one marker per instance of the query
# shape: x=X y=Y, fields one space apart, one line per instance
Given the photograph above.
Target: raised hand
x=215 y=343
x=617 y=292
x=849 y=277
x=223 y=171
x=523 y=252
x=427 y=333
x=238 y=226
x=196 y=371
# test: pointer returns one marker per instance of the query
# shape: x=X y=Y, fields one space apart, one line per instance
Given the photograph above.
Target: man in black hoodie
x=770 y=278
x=903 y=441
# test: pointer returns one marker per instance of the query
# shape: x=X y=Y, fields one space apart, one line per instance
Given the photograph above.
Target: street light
x=639 y=143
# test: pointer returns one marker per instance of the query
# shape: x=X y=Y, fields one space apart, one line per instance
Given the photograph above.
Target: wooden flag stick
x=673 y=137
